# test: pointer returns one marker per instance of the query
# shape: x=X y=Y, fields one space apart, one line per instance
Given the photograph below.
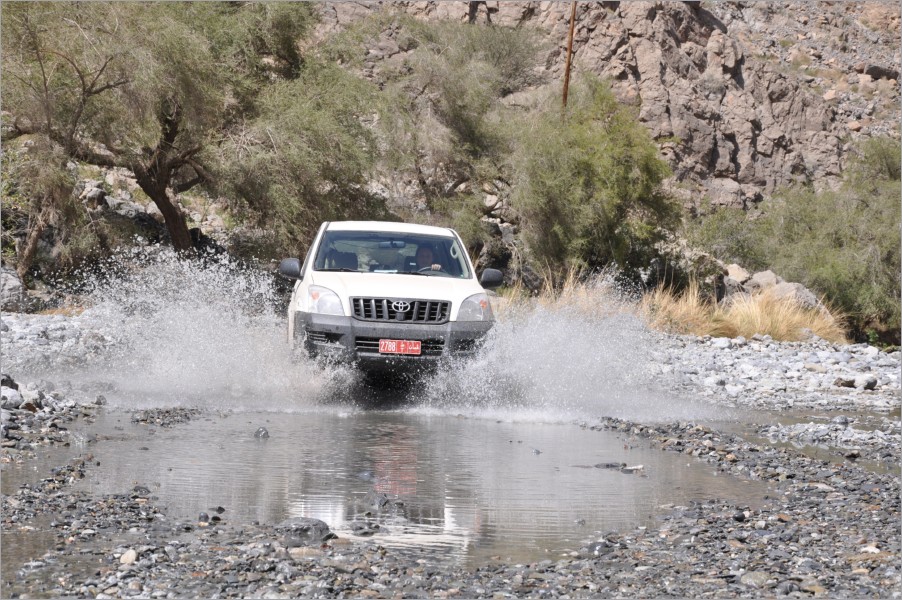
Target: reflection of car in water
x=387 y=295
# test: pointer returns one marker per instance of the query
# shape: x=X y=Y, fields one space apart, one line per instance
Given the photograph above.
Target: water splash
x=186 y=332
x=212 y=334
x=583 y=356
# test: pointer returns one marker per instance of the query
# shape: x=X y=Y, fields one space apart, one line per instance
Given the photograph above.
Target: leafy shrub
x=467 y=68
x=306 y=158
x=589 y=185
x=843 y=244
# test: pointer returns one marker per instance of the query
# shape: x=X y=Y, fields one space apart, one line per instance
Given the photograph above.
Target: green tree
x=307 y=157
x=114 y=85
x=38 y=188
x=588 y=185
x=140 y=85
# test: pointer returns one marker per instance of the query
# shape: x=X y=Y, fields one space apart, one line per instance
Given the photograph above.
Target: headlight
x=475 y=308
x=323 y=301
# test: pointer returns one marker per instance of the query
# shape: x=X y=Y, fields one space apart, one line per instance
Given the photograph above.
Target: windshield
x=386 y=252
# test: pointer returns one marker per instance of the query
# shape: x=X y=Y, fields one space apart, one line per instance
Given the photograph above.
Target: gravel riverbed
x=830 y=528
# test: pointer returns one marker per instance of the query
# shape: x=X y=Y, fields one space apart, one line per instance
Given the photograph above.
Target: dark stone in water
x=377 y=500
x=365 y=528
x=304 y=531
x=203 y=518
x=610 y=465
x=261 y=433
x=7 y=381
x=381 y=501
x=599 y=548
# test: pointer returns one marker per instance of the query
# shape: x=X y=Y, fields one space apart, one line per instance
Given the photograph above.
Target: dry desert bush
x=688 y=312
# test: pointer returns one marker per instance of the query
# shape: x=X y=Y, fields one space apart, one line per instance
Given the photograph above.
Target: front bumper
x=347 y=339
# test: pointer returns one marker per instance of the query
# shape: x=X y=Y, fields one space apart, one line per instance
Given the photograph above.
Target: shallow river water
x=470 y=488
x=485 y=457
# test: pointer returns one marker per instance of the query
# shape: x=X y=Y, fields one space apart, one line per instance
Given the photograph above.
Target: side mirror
x=491 y=278
x=290 y=268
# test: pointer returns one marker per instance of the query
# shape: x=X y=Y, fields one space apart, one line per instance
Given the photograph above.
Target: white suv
x=387 y=295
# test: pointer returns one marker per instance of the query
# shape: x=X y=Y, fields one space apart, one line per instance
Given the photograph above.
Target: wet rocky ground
x=830 y=528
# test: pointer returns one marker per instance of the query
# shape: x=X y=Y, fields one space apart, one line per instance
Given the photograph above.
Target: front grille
x=386 y=309
x=370 y=345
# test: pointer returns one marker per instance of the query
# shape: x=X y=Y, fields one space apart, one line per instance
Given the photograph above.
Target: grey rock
x=13 y=295
x=304 y=531
x=722 y=343
x=754 y=579
x=865 y=382
x=762 y=280
x=10 y=399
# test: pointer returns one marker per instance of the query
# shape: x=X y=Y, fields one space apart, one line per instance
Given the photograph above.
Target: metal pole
x=569 y=51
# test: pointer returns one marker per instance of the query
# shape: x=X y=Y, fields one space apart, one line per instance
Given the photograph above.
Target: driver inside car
x=426 y=260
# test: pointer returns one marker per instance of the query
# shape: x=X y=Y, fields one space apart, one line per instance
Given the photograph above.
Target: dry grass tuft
x=594 y=296
x=683 y=314
x=689 y=312
x=70 y=310
x=783 y=319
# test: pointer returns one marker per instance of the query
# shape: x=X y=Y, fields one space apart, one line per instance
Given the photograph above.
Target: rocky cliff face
x=743 y=98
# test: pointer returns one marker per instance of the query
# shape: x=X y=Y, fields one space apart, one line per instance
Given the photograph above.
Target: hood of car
x=396 y=286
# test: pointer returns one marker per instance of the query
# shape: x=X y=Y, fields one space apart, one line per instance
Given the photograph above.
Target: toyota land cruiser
x=387 y=295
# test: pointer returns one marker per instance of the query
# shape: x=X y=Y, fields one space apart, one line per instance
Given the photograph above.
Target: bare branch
x=100 y=71
x=32 y=34
x=81 y=76
x=108 y=86
x=24 y=81
x=101 y=160
x=200 y=170
x=88 y=39
x=187 y=185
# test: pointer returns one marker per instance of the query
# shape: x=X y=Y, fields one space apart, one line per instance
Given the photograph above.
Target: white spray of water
x=203 y=333
x=566 y=362
x=209 y=334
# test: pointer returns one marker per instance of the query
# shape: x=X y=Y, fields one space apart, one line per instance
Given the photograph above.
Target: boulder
x=736 y=272
x=725 y=192
x=797 y=292
x=13 y=296
x=732 y=286
x=866 y=381
x=304 y=531
x=10 y=399
x=762 y=280
x=7 y=381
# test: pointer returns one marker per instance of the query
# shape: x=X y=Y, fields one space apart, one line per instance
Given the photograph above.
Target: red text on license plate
x=399 y=346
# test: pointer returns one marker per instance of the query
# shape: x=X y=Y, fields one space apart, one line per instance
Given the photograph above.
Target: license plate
x=399 y=346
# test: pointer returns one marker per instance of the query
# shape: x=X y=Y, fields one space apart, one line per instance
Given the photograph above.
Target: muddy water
x=471 y=488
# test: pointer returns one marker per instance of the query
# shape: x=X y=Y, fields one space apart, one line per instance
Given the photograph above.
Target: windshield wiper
x=342 y=269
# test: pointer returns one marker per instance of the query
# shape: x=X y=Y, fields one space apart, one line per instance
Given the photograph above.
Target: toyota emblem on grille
x=400 y=306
